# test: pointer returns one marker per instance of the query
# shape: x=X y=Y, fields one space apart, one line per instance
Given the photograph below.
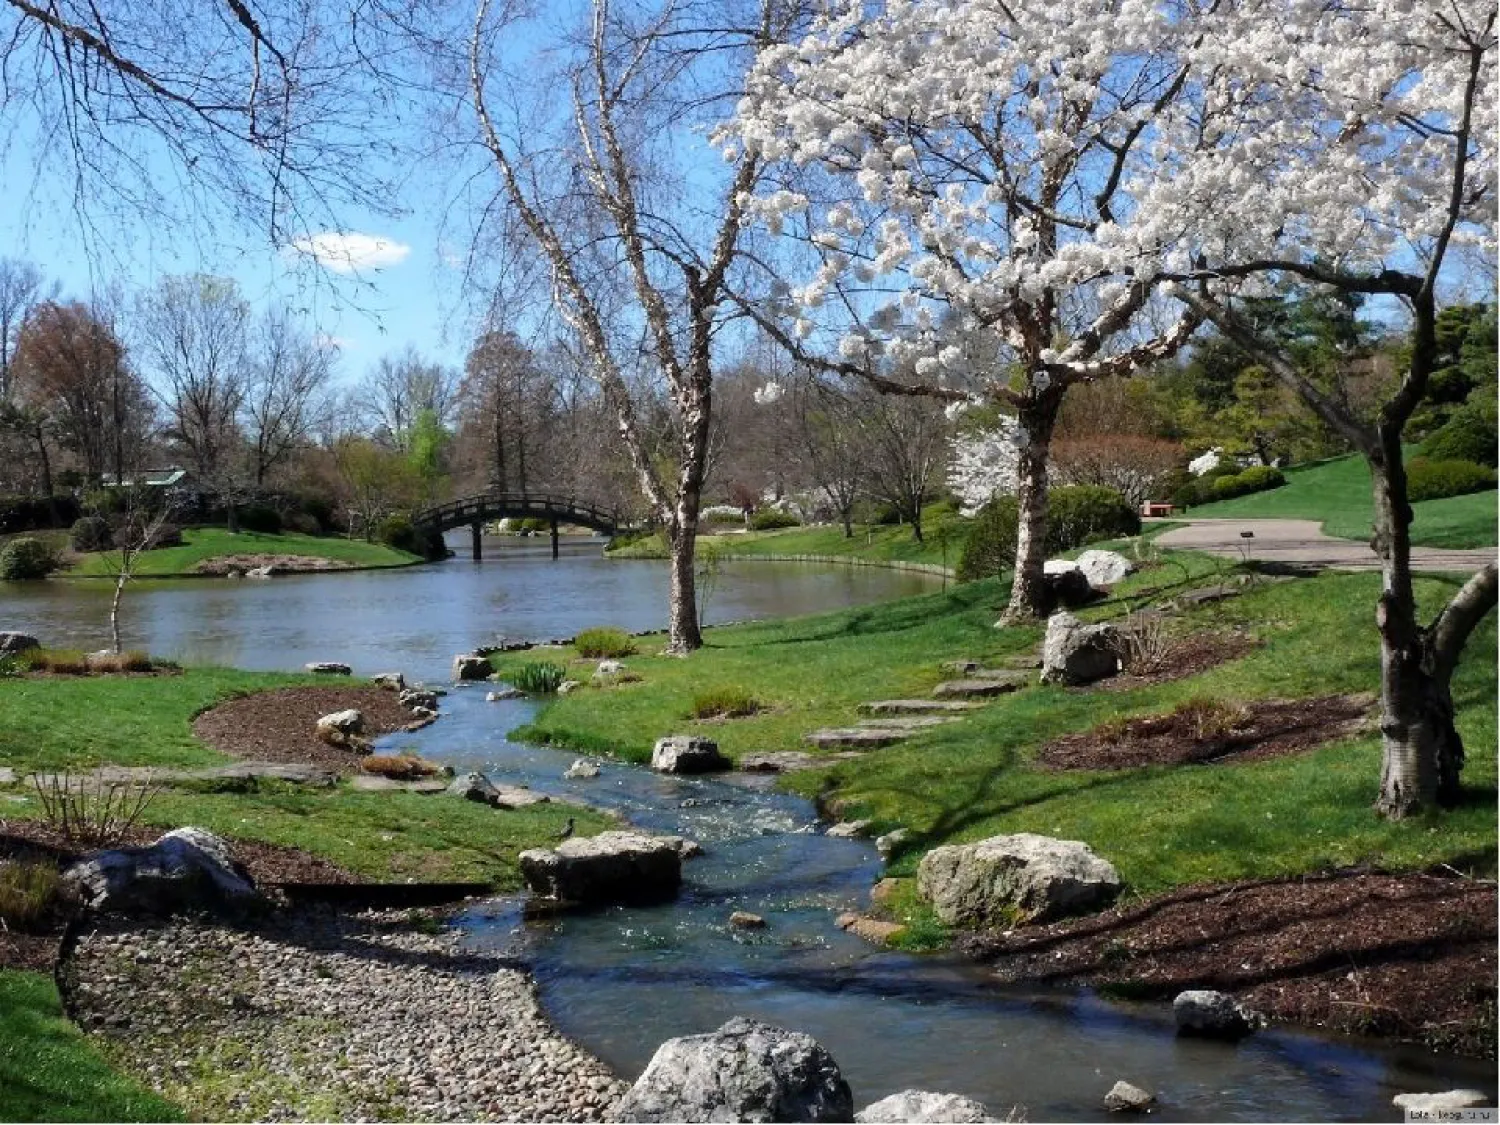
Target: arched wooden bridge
x=477 y=510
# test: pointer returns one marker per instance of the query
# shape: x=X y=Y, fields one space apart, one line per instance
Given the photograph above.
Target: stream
x=621 y=980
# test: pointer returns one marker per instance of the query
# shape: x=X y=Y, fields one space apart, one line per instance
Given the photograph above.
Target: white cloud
x=349 y=253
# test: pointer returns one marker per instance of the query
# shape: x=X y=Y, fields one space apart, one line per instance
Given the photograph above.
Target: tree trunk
x=1421 y=752
x=1028 y=592
x=683 y=634
x=846 y=517
x=114 y=605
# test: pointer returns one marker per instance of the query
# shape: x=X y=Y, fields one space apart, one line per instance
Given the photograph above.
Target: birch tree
x=1350 y=148
x=639 y=261
x=978 y=163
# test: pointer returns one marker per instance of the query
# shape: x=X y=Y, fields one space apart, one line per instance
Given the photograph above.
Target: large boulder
x=1212 y=1015
x=467 y=666
x=1104 y=568
x=687 y=753
x=609 y=867
x=187 y=869
x=1006 y=879
x=1446 y=1102
x=923 y=1105
x=1063 y=584
x=389 y=681
x=414 y=698
x=342 y=728
x=745 y=1071
x=1074 y=653
x=327 y=668
x=12 y=643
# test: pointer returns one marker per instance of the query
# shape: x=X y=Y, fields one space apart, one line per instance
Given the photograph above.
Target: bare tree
x=903 y=446
x=827 y=445
x=288 y=376
x=399 y=389
x=138 y=528
x=606 y=210
x=505 y=396
x=20 y=290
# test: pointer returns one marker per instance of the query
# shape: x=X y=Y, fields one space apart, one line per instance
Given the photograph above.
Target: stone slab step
x=373 y=783
x=908 y=722
x=1013 y=681
x=786 y=761
x=855 y=736
x=997 y=666
x=918 y=706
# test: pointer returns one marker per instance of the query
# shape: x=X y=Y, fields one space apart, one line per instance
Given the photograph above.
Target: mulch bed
x=1186 y=656
x=279 y=725
x=1410 y=957
x=1202 y=732
x=36 y=947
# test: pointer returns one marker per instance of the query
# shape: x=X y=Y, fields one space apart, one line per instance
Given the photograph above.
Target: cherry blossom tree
x=978 y=163
x=1352 y=148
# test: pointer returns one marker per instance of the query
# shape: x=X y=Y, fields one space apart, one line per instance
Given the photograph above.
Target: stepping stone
x=918 y=706
x=1014 y=681
x=907 y=722
x=785 y=761
x=7 y=776
x=371 y=783
x=855 y=736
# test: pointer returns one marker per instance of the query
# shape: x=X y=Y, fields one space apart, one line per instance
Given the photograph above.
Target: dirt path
x=1303 y=541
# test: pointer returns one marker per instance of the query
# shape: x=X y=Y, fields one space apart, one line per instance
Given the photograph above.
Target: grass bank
x=1161 y=826
x=77 y=723
x=203 y=543
x=943 y=533
x=49 y=1071
x=1337 y=493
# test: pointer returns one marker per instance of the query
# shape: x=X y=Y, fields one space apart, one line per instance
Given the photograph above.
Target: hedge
x=1437 y=480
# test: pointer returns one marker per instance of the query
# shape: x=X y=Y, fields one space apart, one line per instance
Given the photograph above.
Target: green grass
x=1337 y=492
x=200 y=544
x=50 y=1072
x=1162 y=827
x=77 y=724
x=943 y=533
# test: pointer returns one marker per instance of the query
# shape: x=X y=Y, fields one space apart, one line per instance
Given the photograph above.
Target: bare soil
x=1184 y=656
x=1206 y=731
x=1408 y=957
x=35 y=947
x=279 y=725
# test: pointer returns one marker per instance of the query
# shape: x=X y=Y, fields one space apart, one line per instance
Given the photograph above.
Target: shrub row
x=1435 y=480
x=1470 y=432
x=769 y=519
x=28 y=513
x=1227 y=482
x=1077 y=515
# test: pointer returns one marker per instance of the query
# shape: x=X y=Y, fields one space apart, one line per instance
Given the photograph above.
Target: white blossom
x=984 y=464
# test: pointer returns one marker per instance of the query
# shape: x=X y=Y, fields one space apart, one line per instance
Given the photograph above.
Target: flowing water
x=622 y=980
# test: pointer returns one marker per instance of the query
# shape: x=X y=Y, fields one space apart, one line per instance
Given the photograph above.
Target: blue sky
x=382 y=284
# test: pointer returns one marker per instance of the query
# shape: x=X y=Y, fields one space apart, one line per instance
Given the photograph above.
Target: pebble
x=354 y=1015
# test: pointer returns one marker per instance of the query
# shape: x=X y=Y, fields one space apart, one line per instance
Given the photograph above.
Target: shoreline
x=934 y=569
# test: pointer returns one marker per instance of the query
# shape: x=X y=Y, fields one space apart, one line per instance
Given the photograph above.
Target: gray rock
x=477 y=787
x=864 y=737
x=568 y=687
x=1068 y=588
x=886 y=845
x=468 y=667
x=923 y=1105
x=609 y=867
x=261 y=572
x=745 y=1071
x=1074 y=653
x=997 y=684
x=581 y=768
x=501 y=695
x=608 y=670
x=414 y=698
x=341 y=728
x=390 y=681
x=918 y=706
x=186 y=869
x=850 y=829
x=998 y=881
x=1104 y=568
x=744 y=920
x=1123 y=1098
x=1212 y=1015
x=1449 y=1101
x=11 y=643
x=327 y=668
x=687 y=753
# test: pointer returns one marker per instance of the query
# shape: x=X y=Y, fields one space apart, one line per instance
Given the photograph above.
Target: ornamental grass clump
x=90 y=811
x=28 y=892
x=541 y=677
x=604 y=644
x=724 y=703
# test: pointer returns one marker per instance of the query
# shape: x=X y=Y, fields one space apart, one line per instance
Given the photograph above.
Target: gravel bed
x=314 y=1014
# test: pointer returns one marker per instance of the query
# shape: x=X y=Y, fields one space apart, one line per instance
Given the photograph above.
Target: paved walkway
x=1303 y=541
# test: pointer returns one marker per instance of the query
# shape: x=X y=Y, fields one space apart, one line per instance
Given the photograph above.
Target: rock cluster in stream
x=320 y=1015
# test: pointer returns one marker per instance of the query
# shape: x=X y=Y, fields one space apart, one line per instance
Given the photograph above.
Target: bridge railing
x=566 y=509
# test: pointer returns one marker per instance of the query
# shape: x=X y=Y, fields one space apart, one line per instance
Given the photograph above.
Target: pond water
x=621 y=981
x=416 y=618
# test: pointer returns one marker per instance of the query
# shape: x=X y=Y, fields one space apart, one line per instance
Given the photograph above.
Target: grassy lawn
x=1162 y=827
x=1337 y=492
x=943 y=533
x=78 y=723
x=215 y=542
x=50 y=1072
